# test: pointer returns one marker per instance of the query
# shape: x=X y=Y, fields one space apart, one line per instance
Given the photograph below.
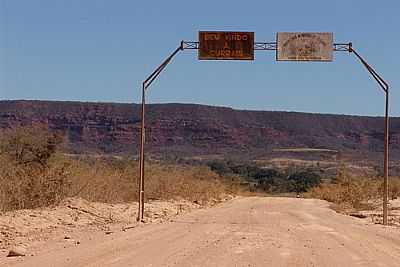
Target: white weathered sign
x=304 y=46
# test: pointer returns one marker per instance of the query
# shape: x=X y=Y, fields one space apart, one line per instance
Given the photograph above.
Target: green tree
x=303 y=180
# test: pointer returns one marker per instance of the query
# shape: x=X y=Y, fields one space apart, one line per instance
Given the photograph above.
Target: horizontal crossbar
x=265 y=46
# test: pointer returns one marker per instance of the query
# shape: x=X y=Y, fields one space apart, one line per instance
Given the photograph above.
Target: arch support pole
x=146 y=83
x=385 y=87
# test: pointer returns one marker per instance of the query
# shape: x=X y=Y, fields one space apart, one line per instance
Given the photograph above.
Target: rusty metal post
x=385 y=87
x=386 y=162
x=145 y=85
x=141 y=159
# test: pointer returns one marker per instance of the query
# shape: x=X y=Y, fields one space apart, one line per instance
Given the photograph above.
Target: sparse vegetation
x=266 y=179
x=30 y=175
x=33 y=173
x=348 y=191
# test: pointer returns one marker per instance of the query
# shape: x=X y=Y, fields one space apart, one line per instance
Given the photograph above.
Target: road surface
x=253 y=231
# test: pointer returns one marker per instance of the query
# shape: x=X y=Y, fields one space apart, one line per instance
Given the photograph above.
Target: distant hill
x=188 y=130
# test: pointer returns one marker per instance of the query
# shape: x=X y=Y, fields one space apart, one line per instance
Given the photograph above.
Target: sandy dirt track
x=252 y=231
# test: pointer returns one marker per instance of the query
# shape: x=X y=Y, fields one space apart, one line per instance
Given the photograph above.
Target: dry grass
x=29 y=175
x=198 y=183
x=104 y=181
x=347 y=191
x=116 y=181
x=29 y=180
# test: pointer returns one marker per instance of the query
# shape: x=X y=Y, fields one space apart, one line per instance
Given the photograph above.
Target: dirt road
x=242 y=232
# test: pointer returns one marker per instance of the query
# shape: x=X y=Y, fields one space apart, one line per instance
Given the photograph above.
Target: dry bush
x=103 y=180
x=194 y=183
x=117 y=181
x=34 y=174
x=394 y=187
x=29 y=177
x=354 y=192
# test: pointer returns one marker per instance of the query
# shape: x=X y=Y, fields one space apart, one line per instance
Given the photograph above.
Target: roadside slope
x=243 y=232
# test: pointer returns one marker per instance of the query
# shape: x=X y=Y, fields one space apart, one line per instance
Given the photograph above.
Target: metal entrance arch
x=262 y=46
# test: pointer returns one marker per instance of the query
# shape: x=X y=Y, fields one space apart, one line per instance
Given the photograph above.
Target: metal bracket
x=190 y=45
x=265 y=46
x=342 y=47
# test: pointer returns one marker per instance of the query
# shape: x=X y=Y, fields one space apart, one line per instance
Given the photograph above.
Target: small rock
x=17 y=252
x=108 y=232
x=67 y=237
x=358 y=215
x=78 y=242
x=127 y=227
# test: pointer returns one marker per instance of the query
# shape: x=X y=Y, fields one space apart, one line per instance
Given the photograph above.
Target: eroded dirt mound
x=376 y=214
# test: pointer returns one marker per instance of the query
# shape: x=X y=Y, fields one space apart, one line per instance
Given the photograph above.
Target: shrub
x=29 y=177
x=33 y=174
x=268 y=180
x=303 y=180
x=220 y=167
x=355 y=192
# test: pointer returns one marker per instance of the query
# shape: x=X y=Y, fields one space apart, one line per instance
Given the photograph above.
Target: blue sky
x=98 y=50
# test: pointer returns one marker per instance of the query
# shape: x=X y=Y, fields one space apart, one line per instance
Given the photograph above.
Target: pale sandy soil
x=251 y=231
x=31 y=229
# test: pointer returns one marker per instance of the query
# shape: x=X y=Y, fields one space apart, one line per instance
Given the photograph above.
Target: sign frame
x=304 y=46
x=226 y=45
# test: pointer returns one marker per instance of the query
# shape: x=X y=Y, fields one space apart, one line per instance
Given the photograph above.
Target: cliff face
x=190 y=130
